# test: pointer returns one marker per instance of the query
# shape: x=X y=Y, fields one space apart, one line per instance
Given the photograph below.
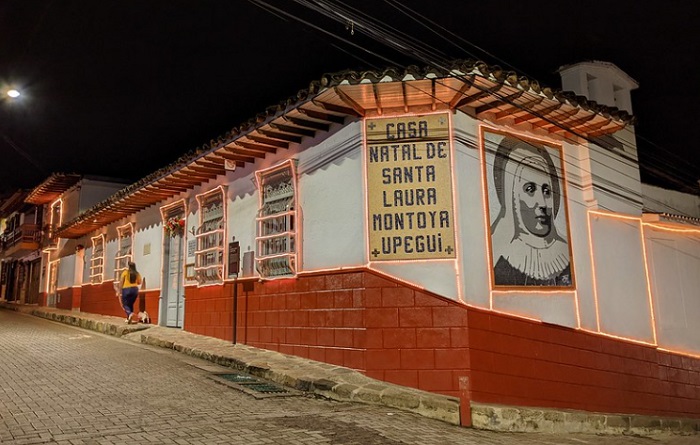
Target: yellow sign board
x=409 y=188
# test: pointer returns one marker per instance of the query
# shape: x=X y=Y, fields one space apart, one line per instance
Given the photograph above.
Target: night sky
x=123 y=88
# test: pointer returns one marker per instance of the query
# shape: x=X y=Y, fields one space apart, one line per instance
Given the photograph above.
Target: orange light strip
x=49 y=275
x=679 y=352
x=182 y=203
x=618 y=337
x=670 y=229
x=638 y=221
x=456 y=229
x=483 y=128
x=535 y=291
x=97 y=240
x=648 y=283
x=59 y=201
x=487 y=216
x=593 y=273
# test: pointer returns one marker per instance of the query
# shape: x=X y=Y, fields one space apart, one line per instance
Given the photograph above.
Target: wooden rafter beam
x=571 y=125
x=293 y=130
x=498 y=102
x=205 y=162
x=331 y=118
x=377 y=99
x=404 y=97
x=280 y=136
x=349 y=101
x=537 y=114
x=307 y=123
x=476 y=96
x=559 y=117
x=466 y=86
x=202 y=169
x=256 y=147
x=238 y=158
x=523 y=107
x=245 y=152
x=267 y=141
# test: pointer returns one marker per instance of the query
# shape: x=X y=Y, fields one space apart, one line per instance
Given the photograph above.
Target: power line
x=339 y=14
x=431 y=56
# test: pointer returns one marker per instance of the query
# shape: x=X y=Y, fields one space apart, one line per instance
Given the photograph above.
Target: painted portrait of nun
x=528 y=220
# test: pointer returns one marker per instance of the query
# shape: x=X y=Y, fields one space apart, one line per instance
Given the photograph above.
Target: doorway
x=173 y=296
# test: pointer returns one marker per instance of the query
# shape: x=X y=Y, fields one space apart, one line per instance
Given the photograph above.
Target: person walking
x=129 y=282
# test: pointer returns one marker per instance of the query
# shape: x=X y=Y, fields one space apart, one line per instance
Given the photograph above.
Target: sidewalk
x=330 y=381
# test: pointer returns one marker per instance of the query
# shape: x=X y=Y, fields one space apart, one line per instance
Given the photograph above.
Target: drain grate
x=265 y=388
x=238 y=378
x=252 y=385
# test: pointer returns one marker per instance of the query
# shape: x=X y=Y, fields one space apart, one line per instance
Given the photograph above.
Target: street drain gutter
x=253 y=386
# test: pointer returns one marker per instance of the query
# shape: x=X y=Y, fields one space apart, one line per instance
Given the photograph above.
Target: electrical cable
x=330 y=10
x=337 y=13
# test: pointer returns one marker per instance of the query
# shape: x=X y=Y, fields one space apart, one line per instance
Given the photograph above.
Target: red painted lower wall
x=64 y=298
x=395 y=333
x=101 y=299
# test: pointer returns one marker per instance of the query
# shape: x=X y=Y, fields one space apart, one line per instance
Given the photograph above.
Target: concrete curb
x=521 y=419
x=322 y=379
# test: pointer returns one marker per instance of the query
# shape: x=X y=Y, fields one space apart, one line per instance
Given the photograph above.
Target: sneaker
x=131 y=316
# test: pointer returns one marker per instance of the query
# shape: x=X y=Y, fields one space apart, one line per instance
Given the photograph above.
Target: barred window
x=210 y=236
x=124 y=250
x=276 y=237
x=97 y=259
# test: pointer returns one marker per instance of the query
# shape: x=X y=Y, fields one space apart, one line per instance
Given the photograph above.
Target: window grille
x=210 y=237
x=124 y=250
x=97 y=260
x=276 y=237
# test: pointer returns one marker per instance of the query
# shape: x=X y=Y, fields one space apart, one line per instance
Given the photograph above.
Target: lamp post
x=14 y=94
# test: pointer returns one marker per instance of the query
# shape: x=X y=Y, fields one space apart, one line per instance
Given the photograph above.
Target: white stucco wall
x=147 y=252
x=66 y=272
x=472 y=231
x=660 y=200
x=332 y=202
x=674 y=262
x=621 y=285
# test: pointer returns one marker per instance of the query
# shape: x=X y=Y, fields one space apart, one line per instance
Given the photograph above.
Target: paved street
x=69 y=386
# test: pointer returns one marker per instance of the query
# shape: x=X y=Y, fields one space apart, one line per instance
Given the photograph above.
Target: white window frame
x=124 y=250
x=210 y=237
x=277 y=245
x=97 y=262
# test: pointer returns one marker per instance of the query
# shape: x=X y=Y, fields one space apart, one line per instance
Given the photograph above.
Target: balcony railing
x=23 y=238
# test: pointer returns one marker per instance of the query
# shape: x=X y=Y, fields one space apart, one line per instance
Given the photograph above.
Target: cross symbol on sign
x=449 y=250
x=375 y=253
x=371 y=125
x=442 y=121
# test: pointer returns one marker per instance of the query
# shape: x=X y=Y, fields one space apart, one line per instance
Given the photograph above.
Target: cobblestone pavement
x=64 y=385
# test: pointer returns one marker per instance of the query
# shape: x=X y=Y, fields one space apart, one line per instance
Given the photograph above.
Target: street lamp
x=13 y=93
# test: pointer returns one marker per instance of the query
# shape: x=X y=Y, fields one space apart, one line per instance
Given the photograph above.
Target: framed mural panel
x=527 y=212
x=410 y=207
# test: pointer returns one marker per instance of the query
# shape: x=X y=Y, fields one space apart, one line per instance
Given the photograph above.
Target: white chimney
x=602 y=82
